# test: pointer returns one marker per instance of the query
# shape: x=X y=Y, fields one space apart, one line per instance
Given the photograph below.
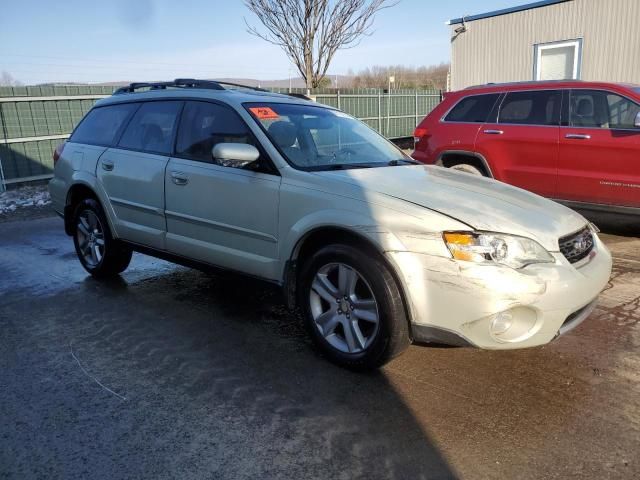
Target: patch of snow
x=24 y=197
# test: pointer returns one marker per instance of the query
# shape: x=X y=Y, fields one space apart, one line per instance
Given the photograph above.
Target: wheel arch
x=448 y=157
x=321 y=236
x=80 y=189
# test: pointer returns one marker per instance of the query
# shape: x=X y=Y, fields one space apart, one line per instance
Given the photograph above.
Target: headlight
x=509 y=250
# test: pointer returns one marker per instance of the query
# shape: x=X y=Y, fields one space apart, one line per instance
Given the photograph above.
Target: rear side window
x=151 y=128
x=101 y=124
x=540 y=107
x=204 y=125
x=473 y=109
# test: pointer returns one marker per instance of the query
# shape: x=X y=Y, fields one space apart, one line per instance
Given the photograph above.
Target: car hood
x=481 y=203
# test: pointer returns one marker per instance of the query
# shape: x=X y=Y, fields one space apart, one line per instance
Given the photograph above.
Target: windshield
x=318 y=138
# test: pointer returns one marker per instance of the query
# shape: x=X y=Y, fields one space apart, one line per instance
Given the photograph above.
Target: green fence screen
x=33 y=120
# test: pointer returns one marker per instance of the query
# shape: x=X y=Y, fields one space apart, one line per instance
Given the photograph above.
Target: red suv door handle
x=577 y=136
x=493 y=132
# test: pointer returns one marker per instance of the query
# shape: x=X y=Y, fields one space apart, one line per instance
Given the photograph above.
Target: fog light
x=501 y=323
x=514 y=325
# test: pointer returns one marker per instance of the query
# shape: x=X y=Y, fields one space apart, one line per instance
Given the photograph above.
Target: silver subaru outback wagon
x=376 y=250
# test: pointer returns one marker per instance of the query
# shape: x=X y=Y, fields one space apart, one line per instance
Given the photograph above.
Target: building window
x=558 y=60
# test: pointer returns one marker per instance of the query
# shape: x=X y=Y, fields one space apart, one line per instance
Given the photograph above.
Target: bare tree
x=311 y=31
x=7 y=80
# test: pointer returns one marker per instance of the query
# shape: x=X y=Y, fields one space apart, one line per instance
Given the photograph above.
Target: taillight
x=419 y=133
x=57 y=153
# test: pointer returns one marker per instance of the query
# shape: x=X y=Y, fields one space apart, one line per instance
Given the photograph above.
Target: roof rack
x=183 y=83
x=257 y=89
x=523 y=82
x=298 y=95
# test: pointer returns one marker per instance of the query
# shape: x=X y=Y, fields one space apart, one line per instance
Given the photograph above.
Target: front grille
x=577 y=246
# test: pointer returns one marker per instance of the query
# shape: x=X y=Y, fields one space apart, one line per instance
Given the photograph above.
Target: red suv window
x=473 y=109
x=540 y=107
x=600 y=109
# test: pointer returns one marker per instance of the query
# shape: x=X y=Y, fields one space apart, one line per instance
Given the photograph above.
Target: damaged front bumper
x=497 y=307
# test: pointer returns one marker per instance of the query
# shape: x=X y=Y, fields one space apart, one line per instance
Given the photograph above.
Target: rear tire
x=352 y=307
x=99 y=253
x=467 y=168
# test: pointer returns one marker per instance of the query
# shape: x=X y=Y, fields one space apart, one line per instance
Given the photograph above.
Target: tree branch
x=311 y=31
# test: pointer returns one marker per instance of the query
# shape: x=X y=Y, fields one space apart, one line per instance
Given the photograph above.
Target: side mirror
x=637 y=124
x=235 y=155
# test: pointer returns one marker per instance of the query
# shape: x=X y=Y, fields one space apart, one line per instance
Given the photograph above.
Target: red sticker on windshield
x=264 y=113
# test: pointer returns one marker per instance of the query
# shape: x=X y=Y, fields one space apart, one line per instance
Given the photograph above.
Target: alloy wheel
x=344 y=308
x=90 y=236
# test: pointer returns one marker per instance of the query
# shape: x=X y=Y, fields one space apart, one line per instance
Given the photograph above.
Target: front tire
x=99 y=253
x=353 y=308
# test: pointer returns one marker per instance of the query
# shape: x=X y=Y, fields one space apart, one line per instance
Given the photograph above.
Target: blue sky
x=111 y=40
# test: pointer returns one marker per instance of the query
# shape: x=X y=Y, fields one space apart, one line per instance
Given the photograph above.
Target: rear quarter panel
x=442 y=137
x=75 y=158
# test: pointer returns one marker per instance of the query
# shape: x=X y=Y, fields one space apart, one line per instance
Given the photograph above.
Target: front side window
x=600 y=109
x=558 y=60
x=151 y=128
x=473 y=109
x=101 y=124
x=204 y=125
x=318 y=138
x=540 y=107
x=622 y=112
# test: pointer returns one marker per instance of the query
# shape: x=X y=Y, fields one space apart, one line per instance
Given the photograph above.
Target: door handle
x=107 y=165
x=577 y=136
x=493 y=132
x=179 y=178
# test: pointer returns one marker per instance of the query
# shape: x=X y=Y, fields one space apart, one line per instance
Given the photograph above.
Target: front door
x=221 y=215
x=522 y=146
x=600 y=150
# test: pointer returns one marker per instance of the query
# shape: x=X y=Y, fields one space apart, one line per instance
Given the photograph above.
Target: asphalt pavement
x=172 y=373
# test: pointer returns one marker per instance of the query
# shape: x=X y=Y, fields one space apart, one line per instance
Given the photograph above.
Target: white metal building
x=548 y=40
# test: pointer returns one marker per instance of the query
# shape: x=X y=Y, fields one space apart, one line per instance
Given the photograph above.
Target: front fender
x=361 y=225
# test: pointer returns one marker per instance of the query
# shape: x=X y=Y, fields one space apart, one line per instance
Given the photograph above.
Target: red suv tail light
x=57 y=153
x=419 y=133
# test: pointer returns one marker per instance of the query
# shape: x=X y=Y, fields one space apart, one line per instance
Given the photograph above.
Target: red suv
x=577 y=142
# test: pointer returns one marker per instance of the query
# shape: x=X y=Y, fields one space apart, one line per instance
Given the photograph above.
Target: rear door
x=600 y=150
x=521 y=145
x=218 y=214
x=132 y=173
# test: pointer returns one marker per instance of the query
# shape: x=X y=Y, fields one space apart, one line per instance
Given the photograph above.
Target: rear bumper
x=460 y=303
x=422 y=157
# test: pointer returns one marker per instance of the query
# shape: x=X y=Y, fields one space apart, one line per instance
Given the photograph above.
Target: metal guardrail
x=27 y=139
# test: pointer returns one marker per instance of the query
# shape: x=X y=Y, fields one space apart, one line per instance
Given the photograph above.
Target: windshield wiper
x=403 y=161
x=345 y=166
